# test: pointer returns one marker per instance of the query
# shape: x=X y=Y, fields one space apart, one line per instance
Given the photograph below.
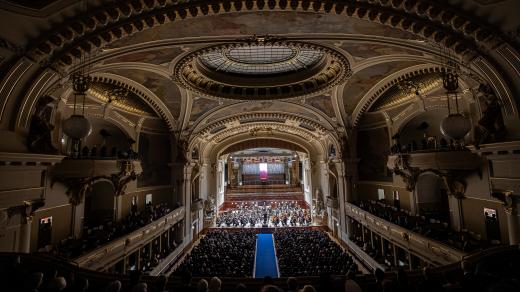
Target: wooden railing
x=115 y=250
x=98 y=280
x=437 y=252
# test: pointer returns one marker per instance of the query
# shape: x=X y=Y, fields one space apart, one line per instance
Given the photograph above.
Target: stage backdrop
x=263 y=171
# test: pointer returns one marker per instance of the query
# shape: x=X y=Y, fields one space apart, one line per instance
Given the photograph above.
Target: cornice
x=265 y=116
x=435 y=21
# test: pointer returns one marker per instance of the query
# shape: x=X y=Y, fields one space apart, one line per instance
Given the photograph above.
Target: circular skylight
x=261 y=59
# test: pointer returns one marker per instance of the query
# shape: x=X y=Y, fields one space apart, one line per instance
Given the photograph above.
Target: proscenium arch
x=202 y=123
x=262 y=143
x=212 y=152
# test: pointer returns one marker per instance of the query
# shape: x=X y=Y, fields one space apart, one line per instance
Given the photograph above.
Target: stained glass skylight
x=261 y=59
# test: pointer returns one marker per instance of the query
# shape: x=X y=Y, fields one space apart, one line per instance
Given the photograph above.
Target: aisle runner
x=265 y=261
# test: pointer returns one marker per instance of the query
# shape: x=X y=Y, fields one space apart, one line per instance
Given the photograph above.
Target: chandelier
x=455 y=126
x=77 y=126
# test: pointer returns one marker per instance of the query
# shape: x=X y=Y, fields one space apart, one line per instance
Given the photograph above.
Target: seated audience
x=95 y=236
x=307 y=252
x=432 y=225
x=222 y=253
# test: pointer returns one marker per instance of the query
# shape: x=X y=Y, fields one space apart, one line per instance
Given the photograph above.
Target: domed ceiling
x=262 y=68
x=313 y=61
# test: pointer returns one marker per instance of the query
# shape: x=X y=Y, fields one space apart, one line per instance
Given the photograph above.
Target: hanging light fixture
x=77 y=126
x=455 y=126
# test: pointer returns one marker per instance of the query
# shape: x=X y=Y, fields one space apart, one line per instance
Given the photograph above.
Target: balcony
x=21 y=180
x=438 y=160
x=437 y=252
x=453 y=166
x=82 y=168
x=115 y=250
x=332 y=202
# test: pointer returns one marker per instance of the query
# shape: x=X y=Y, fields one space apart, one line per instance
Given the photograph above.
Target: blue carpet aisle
x=265 y=262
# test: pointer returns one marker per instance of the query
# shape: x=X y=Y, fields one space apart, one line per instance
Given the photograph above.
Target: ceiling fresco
x=362 y=50
x=200 y=106
x=364 y=80
x=322 y=103
x=164 y=88
x=262 y=106
x=261 y=23
x=157 y=57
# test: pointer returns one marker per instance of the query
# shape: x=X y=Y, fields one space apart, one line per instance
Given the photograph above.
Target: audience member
x=160 y=285
x=34 y=282
x=114 y=286
x=292 y=284
x=308 y=288
x=140 y=287
x=214 y=285
x=202 y=286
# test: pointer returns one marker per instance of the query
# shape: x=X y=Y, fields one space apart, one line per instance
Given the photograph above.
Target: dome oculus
x=261 y=59
x=262 y=70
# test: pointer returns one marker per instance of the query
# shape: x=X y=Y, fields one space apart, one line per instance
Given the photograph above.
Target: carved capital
x=78 y=186
x=455 y=180
x=510 y=201
x=26 y=210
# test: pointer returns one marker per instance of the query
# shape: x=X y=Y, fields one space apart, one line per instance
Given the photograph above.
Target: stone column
x=349 y=174
x=325 y=188
x=239 y=174
x=341 y=199
x=78 y=215
x=287 y=172
x=231 y=176
x=513 y=219
x=188 y=168
x=24 y=239
x=455 y=213
x=295 y=176
x=394 y=250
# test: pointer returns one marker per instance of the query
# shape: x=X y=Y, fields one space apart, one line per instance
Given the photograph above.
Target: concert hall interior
x=260 y=145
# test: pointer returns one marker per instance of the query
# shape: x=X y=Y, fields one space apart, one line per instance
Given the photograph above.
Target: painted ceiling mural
x=262 y=106
x=322 y=103
x=364 y=80
x=363 y=50
x=157 y=57
x=262 y=23
x=200 y=106
x=164 y=88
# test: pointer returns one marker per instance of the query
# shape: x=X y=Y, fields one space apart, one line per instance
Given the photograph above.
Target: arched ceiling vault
x=432 y=20
x=136 y=44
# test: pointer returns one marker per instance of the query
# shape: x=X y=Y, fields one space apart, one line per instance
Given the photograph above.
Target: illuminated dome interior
x=261 y=59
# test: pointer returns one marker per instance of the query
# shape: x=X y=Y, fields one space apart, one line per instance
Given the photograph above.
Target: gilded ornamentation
x=77 y=187
x=454 y=180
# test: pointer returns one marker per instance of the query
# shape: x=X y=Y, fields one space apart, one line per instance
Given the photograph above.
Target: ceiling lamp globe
x=77 y=127
x=455 y=126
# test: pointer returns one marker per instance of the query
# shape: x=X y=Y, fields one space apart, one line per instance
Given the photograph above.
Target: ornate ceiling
x=191 y=64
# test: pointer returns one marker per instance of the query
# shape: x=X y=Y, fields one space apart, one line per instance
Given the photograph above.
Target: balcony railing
x=113 y=251
x=437 y=252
